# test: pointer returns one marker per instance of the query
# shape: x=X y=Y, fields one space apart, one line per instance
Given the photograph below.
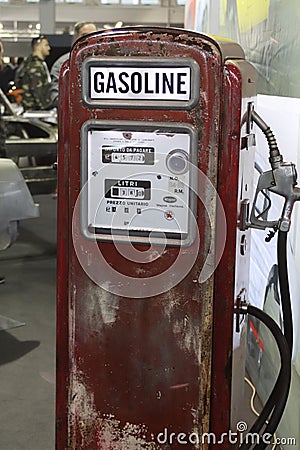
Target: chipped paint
x=82 y=413
x=87 y=426
x=129 y=437
x=189 y=335
x=101 y=307
x=197 y=341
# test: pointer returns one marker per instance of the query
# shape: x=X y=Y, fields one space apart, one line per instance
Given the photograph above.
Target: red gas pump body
x=138 y=370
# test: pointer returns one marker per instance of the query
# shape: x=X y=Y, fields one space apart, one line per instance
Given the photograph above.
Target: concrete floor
x=27 y=347
x=27 y=352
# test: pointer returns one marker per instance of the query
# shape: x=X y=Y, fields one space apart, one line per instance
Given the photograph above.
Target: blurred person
x=80 y=29
x=34 y=78
x=7 y=71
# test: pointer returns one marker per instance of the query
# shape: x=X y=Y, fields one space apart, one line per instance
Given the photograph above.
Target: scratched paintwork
x=101 y=430
x=101 y=307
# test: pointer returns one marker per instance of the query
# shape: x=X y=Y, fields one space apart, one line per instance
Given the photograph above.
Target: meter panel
x=139 y=181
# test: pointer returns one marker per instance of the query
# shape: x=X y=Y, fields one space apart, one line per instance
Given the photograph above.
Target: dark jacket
x=33 y=77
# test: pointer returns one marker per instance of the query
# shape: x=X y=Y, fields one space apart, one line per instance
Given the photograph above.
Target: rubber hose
x=284 y=288
x=281 y=389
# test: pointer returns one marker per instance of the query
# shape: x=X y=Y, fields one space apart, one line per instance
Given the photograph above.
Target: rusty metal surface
x=130 y=368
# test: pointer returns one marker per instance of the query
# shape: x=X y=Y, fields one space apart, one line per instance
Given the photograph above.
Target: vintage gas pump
x=155 y=163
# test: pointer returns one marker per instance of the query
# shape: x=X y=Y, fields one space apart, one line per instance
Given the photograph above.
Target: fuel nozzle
x=285 y=177
x=281 y=180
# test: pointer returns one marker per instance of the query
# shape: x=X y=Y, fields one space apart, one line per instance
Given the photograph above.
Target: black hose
x=285 y=374
x=281 y=389
x=285 y=289
x=267 y=409
x=273 y=147
x=288 y=329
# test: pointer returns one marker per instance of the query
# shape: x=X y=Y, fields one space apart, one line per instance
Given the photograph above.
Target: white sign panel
x=140 y=83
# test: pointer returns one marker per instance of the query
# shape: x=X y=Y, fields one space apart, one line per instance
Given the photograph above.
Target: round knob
x=178 y=161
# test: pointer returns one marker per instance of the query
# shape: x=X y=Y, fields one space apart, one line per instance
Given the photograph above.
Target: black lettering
x=136 y=83
x=156 y=82
x=98 y=85
x=111 y=83
x=147 y=90
x=181 y=82
x=125 y=84
x=166 y=83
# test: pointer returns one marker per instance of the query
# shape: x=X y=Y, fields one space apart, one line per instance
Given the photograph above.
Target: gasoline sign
x=158 y=81
x=143 y=83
